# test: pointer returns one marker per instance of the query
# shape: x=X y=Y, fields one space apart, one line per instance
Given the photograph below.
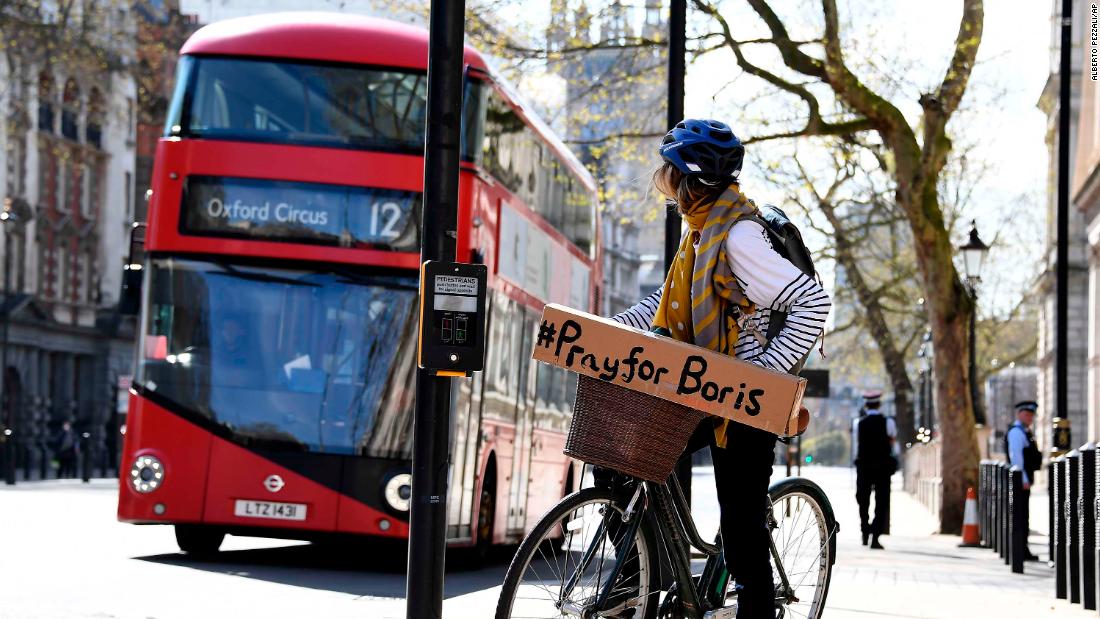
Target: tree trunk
x=949 y=308
x=959 y=442
x=903 y=406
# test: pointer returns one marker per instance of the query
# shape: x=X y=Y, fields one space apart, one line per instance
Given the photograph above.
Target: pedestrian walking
x=1024 y=452
x=874 y=437
x=65 y=447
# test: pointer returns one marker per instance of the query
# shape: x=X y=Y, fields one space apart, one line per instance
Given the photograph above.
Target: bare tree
x=915 y=158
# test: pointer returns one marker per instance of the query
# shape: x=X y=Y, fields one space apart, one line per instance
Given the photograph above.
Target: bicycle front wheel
x=804 y=536
x=564 y=563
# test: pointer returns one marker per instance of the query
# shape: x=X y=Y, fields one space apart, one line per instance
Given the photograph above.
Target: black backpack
x=786 y=240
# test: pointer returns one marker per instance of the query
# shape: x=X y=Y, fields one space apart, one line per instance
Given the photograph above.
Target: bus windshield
x=309 y=360
x=302 y=103
x=343 y=106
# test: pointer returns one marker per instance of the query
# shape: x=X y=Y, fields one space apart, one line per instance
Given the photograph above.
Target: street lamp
x=973 y=258
x=924 y=365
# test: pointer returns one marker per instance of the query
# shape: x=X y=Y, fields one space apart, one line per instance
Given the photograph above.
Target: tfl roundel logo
x=274 y=483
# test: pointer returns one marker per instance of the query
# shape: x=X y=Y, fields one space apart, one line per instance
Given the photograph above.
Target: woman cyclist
x=721 y=291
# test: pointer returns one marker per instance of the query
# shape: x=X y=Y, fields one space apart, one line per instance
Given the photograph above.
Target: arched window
x=45 y=102
x=90 y=187
x=70 y=110
x=94 y=131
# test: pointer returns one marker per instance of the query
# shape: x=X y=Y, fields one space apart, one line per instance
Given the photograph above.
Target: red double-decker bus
x=275 y=372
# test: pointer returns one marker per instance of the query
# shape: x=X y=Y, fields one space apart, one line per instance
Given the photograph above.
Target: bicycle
x=624 y=550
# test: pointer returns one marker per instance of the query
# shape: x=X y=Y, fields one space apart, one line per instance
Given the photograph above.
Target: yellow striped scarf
x=700 y=290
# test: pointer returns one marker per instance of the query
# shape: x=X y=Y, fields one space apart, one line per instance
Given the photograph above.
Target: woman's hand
x=803 y=420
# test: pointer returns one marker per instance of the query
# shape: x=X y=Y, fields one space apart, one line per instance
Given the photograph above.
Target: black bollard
x=1004 y=522
x=1086 y=493
x=1058 y=527
x=1050 y=510
x=1073 y=567
x=983 y=502
x=1094 y=558
x=990 y=502
x=995 y=505
x=1018 y=533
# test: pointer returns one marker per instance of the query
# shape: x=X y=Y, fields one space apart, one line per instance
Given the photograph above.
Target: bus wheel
x=198 y=540
x=486 y=515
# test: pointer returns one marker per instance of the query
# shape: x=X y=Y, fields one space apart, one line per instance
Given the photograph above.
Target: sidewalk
x=921 y=574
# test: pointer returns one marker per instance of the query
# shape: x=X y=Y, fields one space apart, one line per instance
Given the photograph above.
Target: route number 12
x=385 y=220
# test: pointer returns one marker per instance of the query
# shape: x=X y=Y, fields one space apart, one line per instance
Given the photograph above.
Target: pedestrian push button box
x=452 y=317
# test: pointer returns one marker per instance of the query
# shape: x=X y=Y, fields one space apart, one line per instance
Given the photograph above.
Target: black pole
x=427 y=523
x=677 y=48
x=1058 y=527
x=1062 y=263
x=975 y=392
x=1016 y=507
x=9 y=406
x=1086 y=494
x=1073 y=532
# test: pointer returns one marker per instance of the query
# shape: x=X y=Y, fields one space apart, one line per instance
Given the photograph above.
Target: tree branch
x=793 y=57
x=888 y=119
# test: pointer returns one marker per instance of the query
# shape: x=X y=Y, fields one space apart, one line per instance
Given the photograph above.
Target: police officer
x=873 y=439
x=1024 y=452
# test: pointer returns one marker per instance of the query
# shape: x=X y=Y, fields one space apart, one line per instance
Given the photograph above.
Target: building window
x=94 y=190
x=70 y=111
x=47 y=270
x=61 y=271
x=19 y=258
x=128 y=192
x=91 y=286
x=63 y=186
x=45 y=102
x=93 y=132
x=86 y=205
x=45 y=178
x=80 y=281
x=17 y=165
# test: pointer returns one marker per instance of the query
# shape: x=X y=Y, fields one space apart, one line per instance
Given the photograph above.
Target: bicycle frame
x=667 y=510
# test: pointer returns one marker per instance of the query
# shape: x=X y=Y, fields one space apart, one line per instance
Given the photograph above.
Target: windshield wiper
x=263 y=277
x=386 y=281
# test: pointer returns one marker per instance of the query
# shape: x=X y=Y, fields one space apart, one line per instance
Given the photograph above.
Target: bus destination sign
x=315 y=213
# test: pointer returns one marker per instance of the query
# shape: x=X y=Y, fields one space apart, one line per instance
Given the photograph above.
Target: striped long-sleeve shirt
x=773 y=284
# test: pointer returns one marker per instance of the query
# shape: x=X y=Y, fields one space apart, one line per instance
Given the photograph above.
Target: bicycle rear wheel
x=564 y=563
x=803 y=531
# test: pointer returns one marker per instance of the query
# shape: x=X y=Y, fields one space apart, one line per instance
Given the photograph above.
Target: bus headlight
x=146 y=474
x=399 y=491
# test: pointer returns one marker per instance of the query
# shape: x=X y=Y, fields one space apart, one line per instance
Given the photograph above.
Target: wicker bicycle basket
x=631 y=432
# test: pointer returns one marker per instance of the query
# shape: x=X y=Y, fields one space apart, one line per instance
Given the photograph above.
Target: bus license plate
x=269 y=509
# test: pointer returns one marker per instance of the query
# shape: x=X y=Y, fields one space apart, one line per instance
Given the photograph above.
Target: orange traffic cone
x=971 y=537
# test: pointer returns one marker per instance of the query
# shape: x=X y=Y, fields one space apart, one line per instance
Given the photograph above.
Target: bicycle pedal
x=728 y=612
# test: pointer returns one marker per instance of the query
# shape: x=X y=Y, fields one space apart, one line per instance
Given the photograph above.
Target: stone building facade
x=67 y=132
x=621 y=263
x=1085 y=193
x=1078 y=353
x=631 y=99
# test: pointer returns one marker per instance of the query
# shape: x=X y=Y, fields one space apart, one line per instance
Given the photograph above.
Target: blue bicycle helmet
x=701 y=146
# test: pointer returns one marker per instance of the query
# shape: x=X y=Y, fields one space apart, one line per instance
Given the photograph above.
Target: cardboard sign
x=675 y=371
